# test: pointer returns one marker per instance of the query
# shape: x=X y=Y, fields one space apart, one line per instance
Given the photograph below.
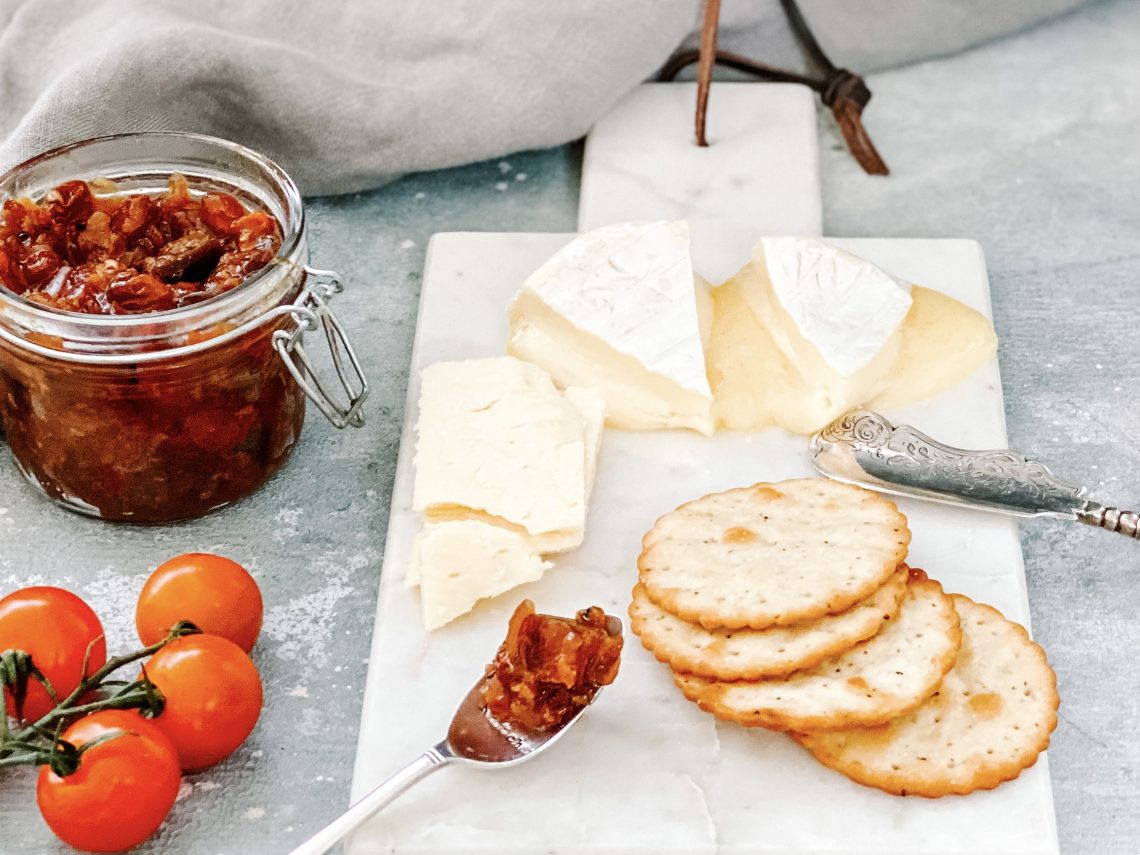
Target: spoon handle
x=432 y=759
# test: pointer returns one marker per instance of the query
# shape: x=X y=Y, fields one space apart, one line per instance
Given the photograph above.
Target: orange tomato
x=212 y=695
x=122 y=790
x=57 y=629
x=214 y=593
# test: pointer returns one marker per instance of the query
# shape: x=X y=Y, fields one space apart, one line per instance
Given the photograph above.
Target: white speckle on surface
x=407 y=244
x=207 y=786
x=504 y=167
x=303 y=626
x=299 y=692
x=520 y=177
x=256 y=754
x=370 y=493
x=287 y=520
x=501 y=186
x=255 y=813
x=421 y=195
x=1099 y=366
x=121 y=590
x=184 y=790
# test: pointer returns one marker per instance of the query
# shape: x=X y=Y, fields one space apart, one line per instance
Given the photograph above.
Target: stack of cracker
x=790 y=606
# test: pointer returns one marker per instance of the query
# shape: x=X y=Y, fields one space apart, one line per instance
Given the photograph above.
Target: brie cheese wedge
x=616 y=310
x=461 y=562
x=836 y=317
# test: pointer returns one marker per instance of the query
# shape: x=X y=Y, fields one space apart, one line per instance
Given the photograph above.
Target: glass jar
x=165 y=416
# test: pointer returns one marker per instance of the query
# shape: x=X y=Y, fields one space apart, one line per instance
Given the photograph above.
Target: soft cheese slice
x=756 y=385
x=461 y=562
x=943 y=342
x=835 y=316
x=616 y=310
x=496 y=439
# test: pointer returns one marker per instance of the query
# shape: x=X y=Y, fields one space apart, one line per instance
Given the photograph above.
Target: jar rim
x=292 y=233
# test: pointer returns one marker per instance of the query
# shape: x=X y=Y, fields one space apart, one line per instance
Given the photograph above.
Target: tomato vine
x=39 y=742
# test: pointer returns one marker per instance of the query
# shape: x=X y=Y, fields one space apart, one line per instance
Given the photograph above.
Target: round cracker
x=772 y=554
x=989 y=720
x=883 y=677
x=752 y=654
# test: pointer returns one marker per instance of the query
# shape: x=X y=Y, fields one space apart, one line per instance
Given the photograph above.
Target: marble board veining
x=645 y=771
x=758 y=175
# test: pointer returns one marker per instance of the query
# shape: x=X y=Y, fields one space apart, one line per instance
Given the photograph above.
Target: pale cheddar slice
x=616 y=310
x=505 y=464
x=461 y=562
x=497 y=439
x=592 y=406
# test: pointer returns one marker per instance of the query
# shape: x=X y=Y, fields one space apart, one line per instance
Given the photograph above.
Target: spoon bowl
x=477 y=737
x=474 y=737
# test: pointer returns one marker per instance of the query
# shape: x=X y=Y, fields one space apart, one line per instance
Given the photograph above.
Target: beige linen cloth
x=348 y=95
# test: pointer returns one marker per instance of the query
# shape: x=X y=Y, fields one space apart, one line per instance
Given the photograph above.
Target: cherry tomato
x=215 y=594
x=123 y=789
x=212 y=696
x=56 y=628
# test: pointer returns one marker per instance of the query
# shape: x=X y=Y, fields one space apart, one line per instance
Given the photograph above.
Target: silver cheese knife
x=864 y=448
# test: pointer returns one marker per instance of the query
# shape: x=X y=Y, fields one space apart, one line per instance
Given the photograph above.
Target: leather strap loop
x=842 y=90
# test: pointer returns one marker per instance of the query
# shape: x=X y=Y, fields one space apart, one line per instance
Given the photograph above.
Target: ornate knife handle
x=1113 y=519
x=863 y=447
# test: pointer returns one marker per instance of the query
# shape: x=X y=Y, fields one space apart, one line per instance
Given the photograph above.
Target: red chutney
x=78 y=251
x=549 y=667
x=160 y=437
x=155 y=442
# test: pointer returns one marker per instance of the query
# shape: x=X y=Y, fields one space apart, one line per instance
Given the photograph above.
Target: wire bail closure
x=311 y=310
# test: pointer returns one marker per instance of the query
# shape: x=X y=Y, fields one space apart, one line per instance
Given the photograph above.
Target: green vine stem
x=38 y=743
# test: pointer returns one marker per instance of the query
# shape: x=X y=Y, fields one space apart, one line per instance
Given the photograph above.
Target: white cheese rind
x=616 y=310
x=631 y=285
x=460 y=562
x=846 y=307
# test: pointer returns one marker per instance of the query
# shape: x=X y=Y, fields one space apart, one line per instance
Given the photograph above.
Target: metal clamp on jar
x=167 y=415
x=311 y=310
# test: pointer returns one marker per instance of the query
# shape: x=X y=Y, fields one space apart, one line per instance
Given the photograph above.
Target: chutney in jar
x=146 y=321
x=115 y=254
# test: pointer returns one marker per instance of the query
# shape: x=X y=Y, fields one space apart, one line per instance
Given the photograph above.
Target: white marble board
x=645 y=771
x=758 y=175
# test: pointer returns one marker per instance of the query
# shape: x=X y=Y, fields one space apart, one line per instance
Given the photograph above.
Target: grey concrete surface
x=1030 y=145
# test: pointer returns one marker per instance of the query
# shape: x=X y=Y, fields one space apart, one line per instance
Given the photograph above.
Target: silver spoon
x=474 y=737
x=864 y=448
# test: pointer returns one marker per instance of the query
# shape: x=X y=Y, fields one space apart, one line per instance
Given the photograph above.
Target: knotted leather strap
x=841 y=90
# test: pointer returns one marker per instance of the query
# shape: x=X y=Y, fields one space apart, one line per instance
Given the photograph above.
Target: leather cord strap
x=843 y=91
